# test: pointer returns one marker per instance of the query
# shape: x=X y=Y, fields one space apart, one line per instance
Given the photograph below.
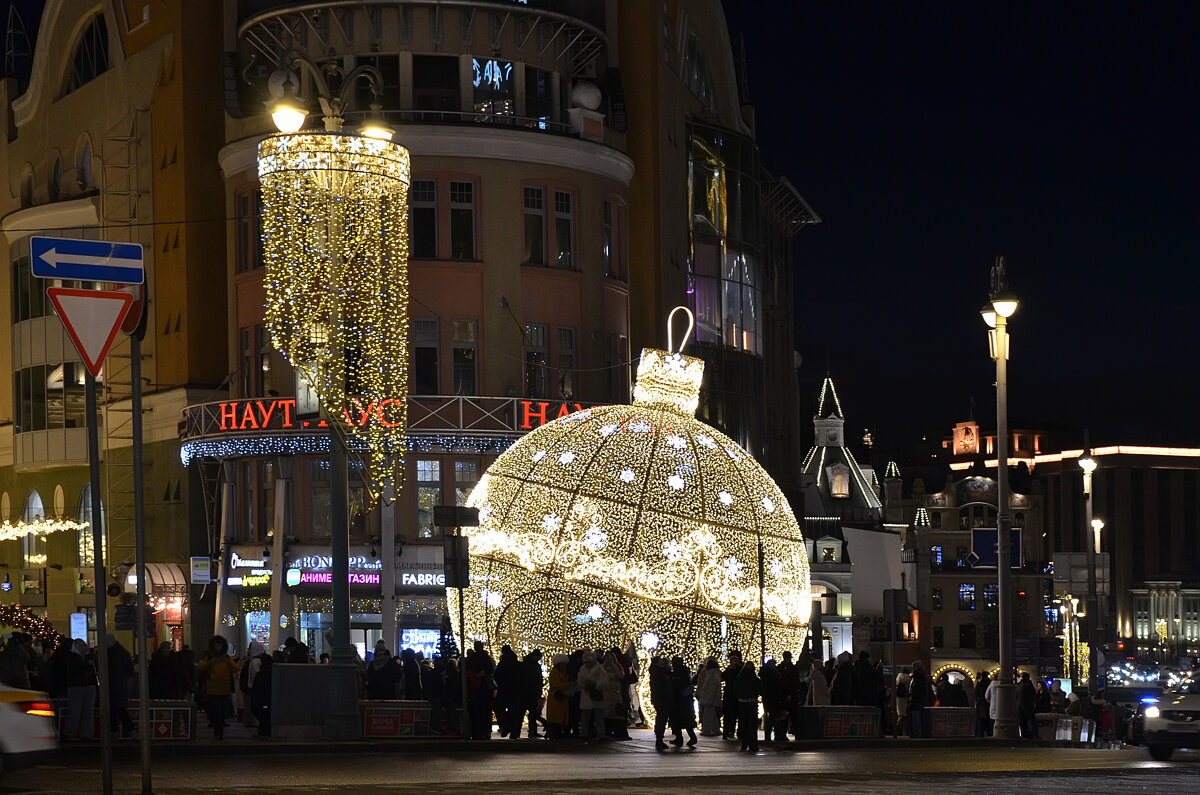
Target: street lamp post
x=1002 y=304
x=1088 y=464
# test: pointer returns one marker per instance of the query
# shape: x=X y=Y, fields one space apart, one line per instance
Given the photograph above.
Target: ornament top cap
x=668 y=379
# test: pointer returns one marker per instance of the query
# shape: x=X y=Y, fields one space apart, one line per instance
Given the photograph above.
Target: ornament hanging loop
x=686 y=335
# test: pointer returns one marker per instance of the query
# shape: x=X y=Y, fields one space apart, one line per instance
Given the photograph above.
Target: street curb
x=253 y=745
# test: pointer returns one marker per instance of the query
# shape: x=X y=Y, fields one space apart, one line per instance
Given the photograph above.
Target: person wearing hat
x=382 y=673
x=558 y=698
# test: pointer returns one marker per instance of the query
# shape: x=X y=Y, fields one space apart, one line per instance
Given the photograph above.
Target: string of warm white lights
x=335 y=244
x=637 y=524
x=310 y=444
x=38 y=527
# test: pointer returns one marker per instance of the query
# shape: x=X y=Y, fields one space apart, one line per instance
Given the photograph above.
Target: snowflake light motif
x=485 y=513
x=768 y=505
x=725 y=497
x=678 y=442
x=628 y=476
x=538 y=456
x=674 y=363
x=566 y=458
x=733 y=568
x=675 y=482
x=640 y=426
x=733 y=452
x=672 y=549
x=608 y=430
x=595 y=539
x=491 y=598
x=776 y=568
x=551 y=522
x=706 y=441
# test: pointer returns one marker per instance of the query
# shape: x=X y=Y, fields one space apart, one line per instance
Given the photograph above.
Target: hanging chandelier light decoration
x=636 y=524
x=335 y=245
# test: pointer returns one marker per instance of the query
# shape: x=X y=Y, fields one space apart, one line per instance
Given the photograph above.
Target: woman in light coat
x=708 y=693
x=593 y=683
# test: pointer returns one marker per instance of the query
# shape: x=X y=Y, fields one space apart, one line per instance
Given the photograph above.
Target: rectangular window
x=429 y=496
x=991 y=596
x=966 y=596
x=464 y=368
x=938 y=638
x=966 y=636
x=936 y=597
x=462 y=219
x=539 y=97
x=263 y=350
x=466 y=475
x=536 y=360
x=249 y=528
x=435 y=87
x=566 y=363
x=247 y=362
x=388 y=67
x=535 y=225
x=935 y=557
x=319 y=506
x=606 y=239
x=266 y=496
x=425 y=357
x=356 y=502
x=494 y=87
x=422 y=200
x=564 y=230
x=248 y=211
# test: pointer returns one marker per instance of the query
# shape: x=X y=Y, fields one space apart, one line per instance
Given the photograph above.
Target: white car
x=1174 y=722
x=27 y=727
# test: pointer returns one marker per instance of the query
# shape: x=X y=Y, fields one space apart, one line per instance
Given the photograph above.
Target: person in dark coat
x=508 y=689
x=683 y=709
x=163 y=673
x=410 y=673
x=983 y=722
x=920 y=697
x=478 y=670
x=382 y=673
x=841 y=686
x=866 y=683
x=748 y=688
x=260 y=688
x=295 y=651
x=789 y=684
x=729 y=700
x=529 y=696
x=951 y=694
x=769 y=677
x=660 y=699
x=120 y=671
x=1026 y=705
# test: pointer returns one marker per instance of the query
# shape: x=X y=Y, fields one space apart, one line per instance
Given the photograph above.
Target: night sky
x=932 y=137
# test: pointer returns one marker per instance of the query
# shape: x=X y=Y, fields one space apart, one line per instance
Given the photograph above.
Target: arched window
x=90 y=59
x=83 y=543
x=33 y=545
x=54 y=184
x=83 y=164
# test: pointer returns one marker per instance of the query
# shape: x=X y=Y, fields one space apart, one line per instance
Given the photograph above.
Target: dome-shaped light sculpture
x=636 y=524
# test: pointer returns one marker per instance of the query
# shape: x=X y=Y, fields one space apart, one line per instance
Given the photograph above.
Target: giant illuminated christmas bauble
x=636 y=524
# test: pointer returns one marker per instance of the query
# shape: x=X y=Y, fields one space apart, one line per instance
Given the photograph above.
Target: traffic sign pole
x=139 y=534
x=98 y=554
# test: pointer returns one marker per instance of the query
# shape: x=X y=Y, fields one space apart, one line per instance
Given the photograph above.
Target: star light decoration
x=335 y=243
x=645 y=512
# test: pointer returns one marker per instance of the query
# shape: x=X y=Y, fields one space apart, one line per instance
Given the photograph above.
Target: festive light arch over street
x=639 y=524
x=335 y=242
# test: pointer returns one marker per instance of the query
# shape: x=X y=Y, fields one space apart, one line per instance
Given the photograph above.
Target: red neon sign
x=280 y=414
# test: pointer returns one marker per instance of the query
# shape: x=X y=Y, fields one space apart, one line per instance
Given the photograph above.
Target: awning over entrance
x=161 y=579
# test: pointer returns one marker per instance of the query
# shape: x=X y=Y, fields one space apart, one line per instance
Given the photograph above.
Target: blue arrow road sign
x=86 y=260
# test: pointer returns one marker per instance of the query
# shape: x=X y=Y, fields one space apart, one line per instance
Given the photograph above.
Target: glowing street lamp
x=1088 y=464
x=1002 y=305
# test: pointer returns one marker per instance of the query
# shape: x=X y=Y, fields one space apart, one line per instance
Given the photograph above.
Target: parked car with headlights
x=28 y=731
x=1174 y=721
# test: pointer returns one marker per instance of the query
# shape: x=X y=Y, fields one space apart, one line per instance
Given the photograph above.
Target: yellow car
x=28 y=731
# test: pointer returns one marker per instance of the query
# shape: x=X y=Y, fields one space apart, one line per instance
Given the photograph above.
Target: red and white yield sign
x=92 y=319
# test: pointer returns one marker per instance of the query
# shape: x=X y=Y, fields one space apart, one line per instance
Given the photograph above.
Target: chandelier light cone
x=335 y=243
x=637 y=525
